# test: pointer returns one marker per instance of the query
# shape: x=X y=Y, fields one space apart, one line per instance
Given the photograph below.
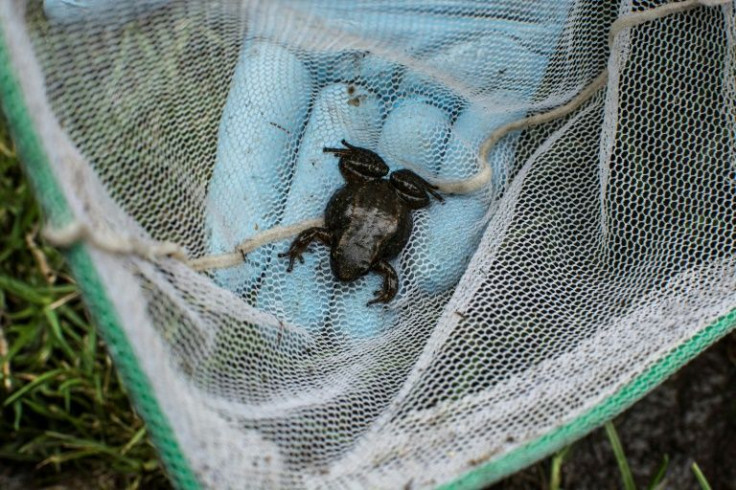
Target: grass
x=65 y=415
x=702 y=480
x=657 y=481
x=626 y=477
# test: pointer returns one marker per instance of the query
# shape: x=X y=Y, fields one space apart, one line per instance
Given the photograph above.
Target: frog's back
x=369 y=221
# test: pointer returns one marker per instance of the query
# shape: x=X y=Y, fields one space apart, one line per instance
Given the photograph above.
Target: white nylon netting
x=603 y=240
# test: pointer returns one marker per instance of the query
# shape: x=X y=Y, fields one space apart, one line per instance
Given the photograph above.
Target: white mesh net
x=602 y=240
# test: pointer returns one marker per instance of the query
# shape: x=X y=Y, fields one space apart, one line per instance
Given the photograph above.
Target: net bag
x=584 y=251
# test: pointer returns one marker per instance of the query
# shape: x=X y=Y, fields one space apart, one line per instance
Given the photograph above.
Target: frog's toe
x=293 y=255
x=382 y=296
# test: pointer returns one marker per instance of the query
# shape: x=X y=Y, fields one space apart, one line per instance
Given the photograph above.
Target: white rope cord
x=113 y=243
x=633 y=20
x=271 y=235
x=75 y=232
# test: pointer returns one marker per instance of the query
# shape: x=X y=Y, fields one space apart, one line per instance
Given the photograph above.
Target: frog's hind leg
x=390 y=283
x=413 y=189
x=302 y=241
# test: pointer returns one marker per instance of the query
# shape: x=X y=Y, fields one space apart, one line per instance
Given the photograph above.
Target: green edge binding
x=55 y=206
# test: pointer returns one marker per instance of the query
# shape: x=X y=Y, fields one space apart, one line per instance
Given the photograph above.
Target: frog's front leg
x=390 y=283
x=359 y=165
x=413 y=189
x=302 y=241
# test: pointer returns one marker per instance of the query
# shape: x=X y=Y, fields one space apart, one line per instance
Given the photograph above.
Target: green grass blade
x=24 y=337
x=134 y=440
x=74 y=318
x=700 y=477
x=555 y=477
x=618 y=451
x=33 y=384
x=57 y=459
x=659 y=475
x=55 y=325
x=22 y=290
x=17 y=415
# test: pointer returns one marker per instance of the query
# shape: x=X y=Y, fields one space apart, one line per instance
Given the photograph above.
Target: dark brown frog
x=368 y=221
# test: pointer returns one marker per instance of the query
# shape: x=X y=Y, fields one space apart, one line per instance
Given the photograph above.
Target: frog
x=368 y=221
